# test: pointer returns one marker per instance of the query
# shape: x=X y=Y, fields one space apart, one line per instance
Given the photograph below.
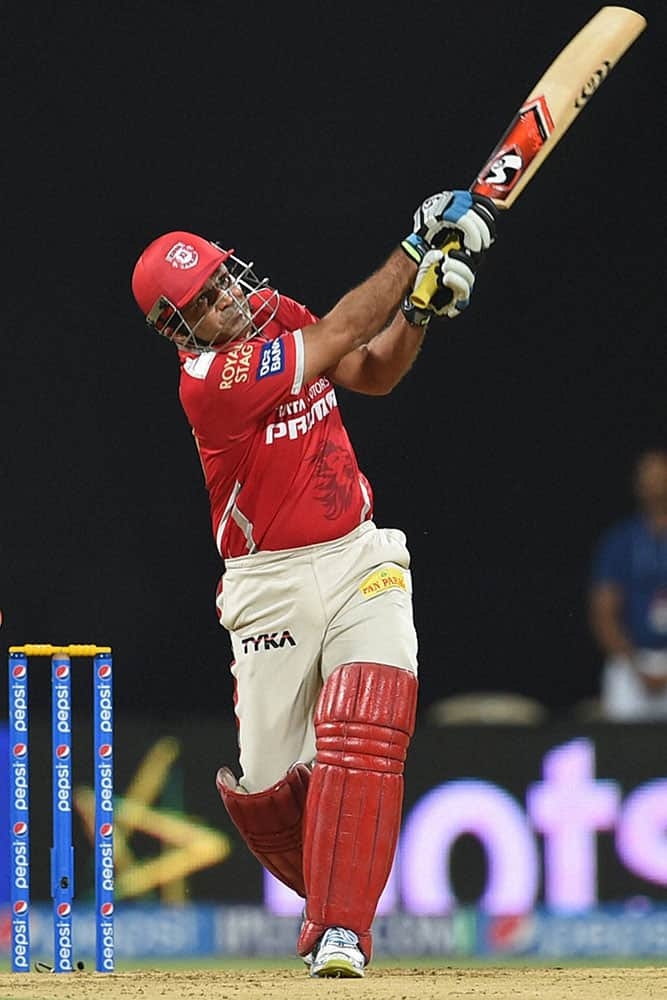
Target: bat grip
x=422 y=295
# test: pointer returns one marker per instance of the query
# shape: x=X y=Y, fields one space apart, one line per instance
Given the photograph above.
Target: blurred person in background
x=628 y=600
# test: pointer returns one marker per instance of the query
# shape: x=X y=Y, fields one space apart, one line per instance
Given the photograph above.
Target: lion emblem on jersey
x=334 y=479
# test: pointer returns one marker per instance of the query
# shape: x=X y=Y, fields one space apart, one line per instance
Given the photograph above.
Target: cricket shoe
x=338 y=955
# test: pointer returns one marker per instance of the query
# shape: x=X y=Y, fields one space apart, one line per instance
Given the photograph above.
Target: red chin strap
x=364 y=719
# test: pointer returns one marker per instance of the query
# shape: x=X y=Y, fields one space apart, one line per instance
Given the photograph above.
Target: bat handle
x=428 y=286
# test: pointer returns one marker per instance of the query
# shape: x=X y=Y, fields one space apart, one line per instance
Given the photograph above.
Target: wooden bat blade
x=552 y=105
x=555 y=101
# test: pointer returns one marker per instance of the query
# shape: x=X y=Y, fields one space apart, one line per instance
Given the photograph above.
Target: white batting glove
x=443 y=286
x=471 y=215
x=455 y=272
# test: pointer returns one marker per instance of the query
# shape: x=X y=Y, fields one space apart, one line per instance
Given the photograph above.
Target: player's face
x=219 y=312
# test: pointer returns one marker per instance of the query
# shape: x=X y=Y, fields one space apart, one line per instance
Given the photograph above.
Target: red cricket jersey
x=279 y=467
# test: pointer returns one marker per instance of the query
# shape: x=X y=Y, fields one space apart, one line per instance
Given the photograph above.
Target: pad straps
x=364 y=719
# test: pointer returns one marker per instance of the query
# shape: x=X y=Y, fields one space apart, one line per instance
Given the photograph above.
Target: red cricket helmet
x=175 y=266
x=171 y=271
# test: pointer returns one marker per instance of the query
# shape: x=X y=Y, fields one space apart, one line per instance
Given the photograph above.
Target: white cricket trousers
x=293 y=617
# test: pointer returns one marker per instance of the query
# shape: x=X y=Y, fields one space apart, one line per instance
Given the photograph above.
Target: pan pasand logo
x=592 y=84
x=183 y=256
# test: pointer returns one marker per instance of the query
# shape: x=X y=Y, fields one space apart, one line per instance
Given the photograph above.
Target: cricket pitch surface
x=379 y=984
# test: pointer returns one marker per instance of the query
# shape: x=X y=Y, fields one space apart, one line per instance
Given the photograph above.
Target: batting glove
x=443 y=286
x=473 y=216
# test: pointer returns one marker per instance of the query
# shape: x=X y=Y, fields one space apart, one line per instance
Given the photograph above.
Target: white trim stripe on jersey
x=225 y=517
x=297 y=384
x=198 y=367
x=247 y=527
x=367 y=501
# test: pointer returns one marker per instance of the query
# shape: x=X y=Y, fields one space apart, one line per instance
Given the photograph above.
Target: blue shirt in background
x=633 y=556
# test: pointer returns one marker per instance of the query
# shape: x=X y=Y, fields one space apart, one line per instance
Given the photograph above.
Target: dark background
x=304 y=135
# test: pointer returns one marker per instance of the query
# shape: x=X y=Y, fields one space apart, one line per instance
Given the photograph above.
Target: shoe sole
x=337 y=968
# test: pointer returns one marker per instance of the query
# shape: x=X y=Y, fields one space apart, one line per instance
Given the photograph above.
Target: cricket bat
x=547 y=113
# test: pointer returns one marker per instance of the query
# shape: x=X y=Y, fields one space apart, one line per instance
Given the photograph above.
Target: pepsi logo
x=106 y=909
x=64 y=909
x=20 y=829
x=20 y=906
x=62 y=751
x=104 y=671
x=106 y=829
x=20 y=749
x=62 y=671
x=19 y=671
x=106 y=750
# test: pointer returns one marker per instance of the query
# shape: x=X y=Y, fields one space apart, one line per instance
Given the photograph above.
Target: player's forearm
x=357 y=317
x=364 y=311
x=382 y=363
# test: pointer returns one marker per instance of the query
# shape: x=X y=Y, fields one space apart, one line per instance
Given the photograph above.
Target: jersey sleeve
x=293 y=315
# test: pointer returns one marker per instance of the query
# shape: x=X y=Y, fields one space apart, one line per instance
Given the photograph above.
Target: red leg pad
x=271 y=822
x=364 y=719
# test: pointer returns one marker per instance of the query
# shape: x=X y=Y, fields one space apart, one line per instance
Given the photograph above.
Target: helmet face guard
x=258 y=305
x=178 y=267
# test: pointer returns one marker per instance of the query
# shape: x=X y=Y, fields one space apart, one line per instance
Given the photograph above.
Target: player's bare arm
x=358 y=317
x=377 y=367
x=369 y=359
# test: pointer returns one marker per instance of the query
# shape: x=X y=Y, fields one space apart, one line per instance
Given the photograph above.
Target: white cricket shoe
x=338 y=954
